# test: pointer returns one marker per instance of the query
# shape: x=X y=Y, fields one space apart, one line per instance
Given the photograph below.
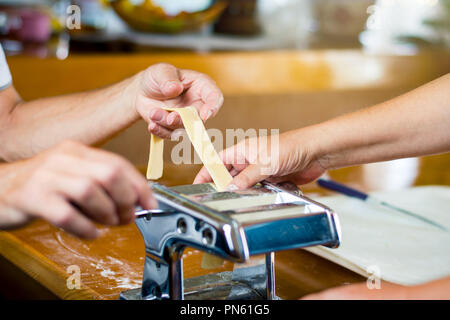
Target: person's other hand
x=436 y=289
x=72 y=186
x=163 y=85
x=360 y=291
x=256 y=159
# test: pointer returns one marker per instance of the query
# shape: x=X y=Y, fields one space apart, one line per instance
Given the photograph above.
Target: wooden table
x=35 y=259
x=310 y=86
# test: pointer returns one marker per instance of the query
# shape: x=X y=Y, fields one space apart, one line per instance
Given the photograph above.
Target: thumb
x=167 y=80
x=248 y=177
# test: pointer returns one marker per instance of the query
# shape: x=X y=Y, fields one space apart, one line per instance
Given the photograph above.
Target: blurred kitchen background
x=280 y=63
x=51 y=27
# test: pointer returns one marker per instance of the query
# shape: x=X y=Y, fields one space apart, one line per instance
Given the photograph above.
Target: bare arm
x=27 y=128
x=417 y=123
x=414 y=124
x=434 y=290
x=30 y=127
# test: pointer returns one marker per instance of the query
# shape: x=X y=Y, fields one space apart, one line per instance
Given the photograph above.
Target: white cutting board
x=402 y=249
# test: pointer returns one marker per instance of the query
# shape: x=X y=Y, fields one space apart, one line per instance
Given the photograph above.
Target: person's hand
x=163 y=85
x=72 y=186
x=287 y=157
x=360 y=291
x=437 y=289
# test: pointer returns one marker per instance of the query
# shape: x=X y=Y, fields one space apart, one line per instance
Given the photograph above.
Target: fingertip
x=172 y=88
x=221 y=101
x=202 y=176
x=206 y=114
x=173 y=119
x=248 y=177
x=240 y=185
x=91 y=234
x=127 y=217
x=132 y=217
x=157 y=114
x=96 y=233
x=113 y=220
x=153 y=128
x=237 y=183
x=149 y=202
x=153 y=203
x=198 y=180
x=145 y=197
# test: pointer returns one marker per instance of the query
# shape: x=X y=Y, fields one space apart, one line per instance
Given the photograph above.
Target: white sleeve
x=5 y=75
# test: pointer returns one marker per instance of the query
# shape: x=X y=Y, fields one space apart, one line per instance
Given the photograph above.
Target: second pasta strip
x=202 y=145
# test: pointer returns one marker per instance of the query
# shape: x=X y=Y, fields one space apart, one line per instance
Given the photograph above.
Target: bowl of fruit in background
x=167 y=16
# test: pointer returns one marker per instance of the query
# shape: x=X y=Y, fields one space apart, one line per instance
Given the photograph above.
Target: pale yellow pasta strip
x=155 y=158
x=208 y=155
x=202 y=145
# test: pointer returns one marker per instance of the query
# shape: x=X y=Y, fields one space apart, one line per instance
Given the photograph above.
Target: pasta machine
x=238 y=226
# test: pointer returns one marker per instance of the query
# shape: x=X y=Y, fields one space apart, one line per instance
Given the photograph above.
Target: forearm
x=89 y=117
x=434 y=290
x=9 y=217
x=414 y=124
